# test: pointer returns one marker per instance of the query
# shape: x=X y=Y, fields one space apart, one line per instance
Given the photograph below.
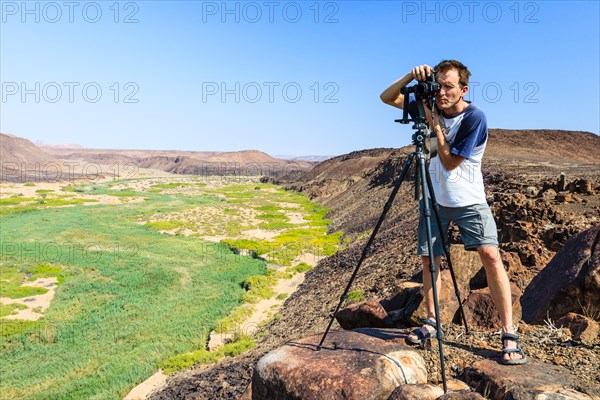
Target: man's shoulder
x=472 y=111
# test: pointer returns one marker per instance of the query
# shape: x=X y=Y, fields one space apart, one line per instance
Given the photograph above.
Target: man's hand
x=392 y=95
x=421 y=72
x=436 y=118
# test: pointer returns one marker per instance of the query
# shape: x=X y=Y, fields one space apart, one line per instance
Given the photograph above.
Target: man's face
x=451 y=92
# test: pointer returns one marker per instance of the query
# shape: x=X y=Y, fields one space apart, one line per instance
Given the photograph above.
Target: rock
x=367 y=314
x=569 y=282
x=582 y=328
x=403 y=304
x=513 y=266
x=532 y=381
x=462 y=395
x=549 y=194
x=417 y=392
x=582 y=186
x=407 y=307
x=564 y=198
x=456 y=390
x=532 y=190
x=480 y=309
x=349 y=366
x=448 y=303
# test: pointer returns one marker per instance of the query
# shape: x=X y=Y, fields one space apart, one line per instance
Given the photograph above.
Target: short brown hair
x=463 y=71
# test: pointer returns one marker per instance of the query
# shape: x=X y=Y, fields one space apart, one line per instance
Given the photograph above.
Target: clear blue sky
x=293 y=78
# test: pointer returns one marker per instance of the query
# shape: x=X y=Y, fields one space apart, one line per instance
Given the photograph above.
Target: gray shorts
x=475 y=223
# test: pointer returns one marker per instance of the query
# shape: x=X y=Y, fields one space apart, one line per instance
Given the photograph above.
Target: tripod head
x=420 y=120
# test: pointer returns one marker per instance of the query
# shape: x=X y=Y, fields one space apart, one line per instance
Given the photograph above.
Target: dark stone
x=532 y=381
x=569 y=282
x=462 y=395
x=582 y=328
x=416 y=392
x=481 y=311
x=367 y=314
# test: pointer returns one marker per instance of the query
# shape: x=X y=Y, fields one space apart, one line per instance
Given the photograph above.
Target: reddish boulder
x=480 y=310
x=350 y=365
x=581 y=327
x=532 y=381
x=462 y=395
x=408 y=307
x=369 y=314
x=568 y=283
x=416 y=392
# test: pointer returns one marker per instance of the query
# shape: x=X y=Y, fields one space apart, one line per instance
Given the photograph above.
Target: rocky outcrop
x=416 y=392
x=480 y=310
x=532 y=381
x=570 y=282
x=367 y=314
x=582 y=328
x=350 y=365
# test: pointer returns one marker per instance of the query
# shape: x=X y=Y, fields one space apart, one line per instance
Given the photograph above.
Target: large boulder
x=407 y=306
x=531 y=381
x=369 y=314
x=350 y=365
x=425 y=391
x=569 y=283
x=481 y=311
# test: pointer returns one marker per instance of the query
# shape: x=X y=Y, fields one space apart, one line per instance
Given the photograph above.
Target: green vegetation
x=356 y=296
x=24 y=204
x=166 y=225
x=258 y=288
x=234 y=319
x=15 y=200
x=203 y=356
x=14 y=275
x=29 y=184
x=130 y=298
x=10 y=309
x=282 y=296
x=175 y=185
x=302 y=267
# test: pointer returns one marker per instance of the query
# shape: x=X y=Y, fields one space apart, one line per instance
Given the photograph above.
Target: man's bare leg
x=428 y=292
x=499 y=285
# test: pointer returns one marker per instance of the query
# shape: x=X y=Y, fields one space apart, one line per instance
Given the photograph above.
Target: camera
x=423 y=90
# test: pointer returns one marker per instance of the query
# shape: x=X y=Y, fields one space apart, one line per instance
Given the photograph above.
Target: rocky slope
x=536 y=211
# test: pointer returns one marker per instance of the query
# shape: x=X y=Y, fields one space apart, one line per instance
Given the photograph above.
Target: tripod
x=423 y=183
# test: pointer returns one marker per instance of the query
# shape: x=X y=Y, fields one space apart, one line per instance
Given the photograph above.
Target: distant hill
x=14 y=149
x=247 y=162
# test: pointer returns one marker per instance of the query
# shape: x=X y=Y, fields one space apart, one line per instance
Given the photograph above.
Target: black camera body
x=423 y=90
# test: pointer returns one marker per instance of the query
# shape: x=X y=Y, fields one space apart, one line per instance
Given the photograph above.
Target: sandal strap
x=510 y=336
x=429 y=322
x=420 y=335
x=517 y=350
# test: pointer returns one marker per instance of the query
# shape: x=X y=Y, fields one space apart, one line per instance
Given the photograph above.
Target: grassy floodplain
x=138 y=284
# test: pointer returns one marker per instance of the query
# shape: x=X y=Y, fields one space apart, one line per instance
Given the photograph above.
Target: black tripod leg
x=386 y=208
x=422 y=171
x=446 y=250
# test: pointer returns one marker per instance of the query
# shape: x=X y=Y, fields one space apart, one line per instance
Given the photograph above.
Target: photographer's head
x=453 y=78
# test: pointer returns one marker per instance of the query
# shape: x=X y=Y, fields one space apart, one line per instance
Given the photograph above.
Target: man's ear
x=464 y=90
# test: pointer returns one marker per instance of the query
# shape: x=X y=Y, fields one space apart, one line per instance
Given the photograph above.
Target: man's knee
x=490 y=255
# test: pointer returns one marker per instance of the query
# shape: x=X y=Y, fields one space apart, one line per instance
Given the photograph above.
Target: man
x=461 y=131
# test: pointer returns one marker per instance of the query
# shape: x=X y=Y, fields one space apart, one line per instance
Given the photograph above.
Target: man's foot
x=427 y=331
x=512 y=354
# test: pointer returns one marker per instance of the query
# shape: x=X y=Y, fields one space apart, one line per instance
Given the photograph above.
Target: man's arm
x=392 y=95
